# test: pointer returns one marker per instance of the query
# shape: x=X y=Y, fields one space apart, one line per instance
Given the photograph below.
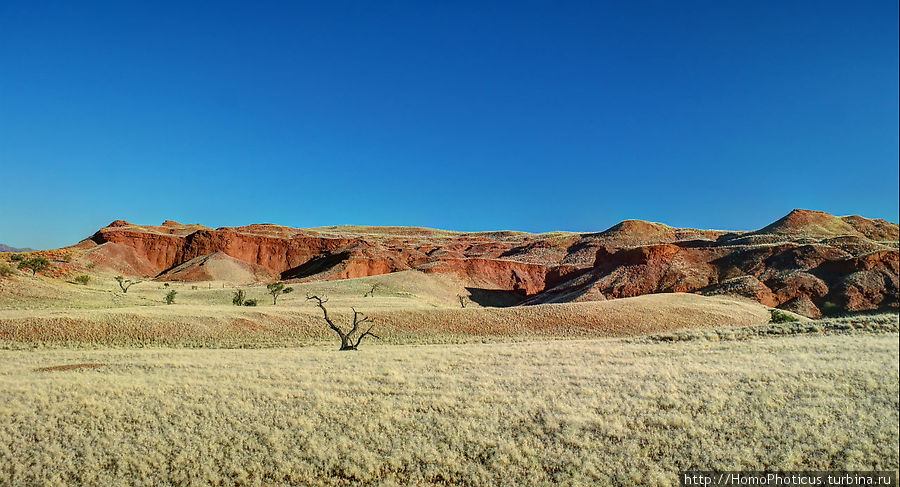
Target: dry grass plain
x=409 y=307
x=100 y=387
x=591 y=412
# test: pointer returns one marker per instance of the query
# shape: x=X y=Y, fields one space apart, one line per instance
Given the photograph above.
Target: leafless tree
x=125 y=283
x=371 y=293
x=463 y=300
x=347 y=340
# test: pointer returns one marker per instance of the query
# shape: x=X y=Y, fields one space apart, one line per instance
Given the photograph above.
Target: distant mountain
x=7 y=248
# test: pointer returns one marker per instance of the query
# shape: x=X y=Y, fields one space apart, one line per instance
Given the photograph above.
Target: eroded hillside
x=799 y=262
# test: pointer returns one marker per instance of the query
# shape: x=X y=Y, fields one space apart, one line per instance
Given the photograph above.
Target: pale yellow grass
x=594 y=412
x=408 y=289
x=294 y=321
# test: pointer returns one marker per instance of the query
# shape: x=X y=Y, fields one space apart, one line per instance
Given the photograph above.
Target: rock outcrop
x=799 y=262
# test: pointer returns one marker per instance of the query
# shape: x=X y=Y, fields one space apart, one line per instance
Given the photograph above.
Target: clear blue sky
x=530 y=116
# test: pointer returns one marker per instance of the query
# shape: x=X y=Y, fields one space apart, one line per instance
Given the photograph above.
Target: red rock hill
x=799 y=262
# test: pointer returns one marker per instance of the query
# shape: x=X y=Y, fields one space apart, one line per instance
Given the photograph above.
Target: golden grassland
x=409 y=307
x=187 y=325
x=590 y=412
x=640 y=389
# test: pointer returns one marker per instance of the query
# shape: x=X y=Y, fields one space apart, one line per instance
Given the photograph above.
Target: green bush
x=250 y=302
x=170 y=297
x=6 y=270
x=83 y=279
x=91 y=265
x=35 y=265
x=779 y=316
x=17 y=257
x=238 y=298
x=277 y=289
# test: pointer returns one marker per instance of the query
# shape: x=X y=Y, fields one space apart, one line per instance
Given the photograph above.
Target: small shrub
x=83 y=279
x=238 y=298
x=170 y=297
x=779 y=316
x=6 y=270
x=17 y=257
x=67 y=257
x=250 y=302
x=831 y=310
x=194 y=288
x=166 y=284
x=91 y=265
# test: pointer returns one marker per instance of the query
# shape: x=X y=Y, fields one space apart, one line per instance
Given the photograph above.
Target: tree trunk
x=346 y=344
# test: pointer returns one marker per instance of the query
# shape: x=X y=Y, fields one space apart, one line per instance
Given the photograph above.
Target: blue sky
x=531 y=116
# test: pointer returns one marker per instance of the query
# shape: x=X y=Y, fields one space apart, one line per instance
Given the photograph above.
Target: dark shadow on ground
x=495 y=298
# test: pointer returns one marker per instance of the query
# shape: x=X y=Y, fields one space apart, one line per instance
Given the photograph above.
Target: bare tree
x=463 y=300
x=371 y=293
x=125 y=283
x=347 y=340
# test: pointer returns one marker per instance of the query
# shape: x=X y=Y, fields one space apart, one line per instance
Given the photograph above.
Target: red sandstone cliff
x=799 y=262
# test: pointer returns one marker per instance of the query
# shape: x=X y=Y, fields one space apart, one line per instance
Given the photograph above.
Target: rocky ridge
x=800 y=262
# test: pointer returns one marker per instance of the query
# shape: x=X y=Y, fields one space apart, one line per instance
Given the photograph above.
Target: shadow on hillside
x=315 y=266
x=495 y=298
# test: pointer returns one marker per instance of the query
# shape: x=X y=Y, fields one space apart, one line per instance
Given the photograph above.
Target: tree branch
x=321 y=304
x=367 y=333
x=357 y=321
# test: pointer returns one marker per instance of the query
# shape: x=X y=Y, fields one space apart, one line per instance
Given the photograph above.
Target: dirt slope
x=219 y=266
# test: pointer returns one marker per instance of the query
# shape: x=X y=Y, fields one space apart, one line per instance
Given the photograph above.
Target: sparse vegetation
x=67 y=257
x=250 y=302
x=170 y=297
x=463 y=300
x=6 y=270
x=35 y=265
x=91 y=266
x=125 y=284
x=347 y=338
x=779 y=316
x=83 y=279
x=277 y=289
x=238 y=298
x=883 y=323
x=17 y=257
